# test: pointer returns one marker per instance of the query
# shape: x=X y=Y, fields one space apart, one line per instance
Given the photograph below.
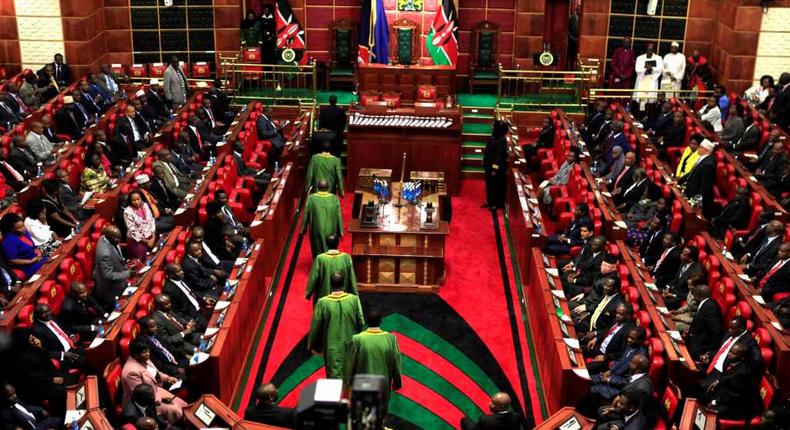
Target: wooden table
x=426 y=148
x=565 y=416
x=398 y=255
x=406 y=79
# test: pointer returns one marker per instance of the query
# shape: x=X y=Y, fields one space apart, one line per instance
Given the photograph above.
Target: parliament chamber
x=411 y=214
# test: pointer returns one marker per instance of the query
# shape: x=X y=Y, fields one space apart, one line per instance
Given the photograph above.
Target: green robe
x=325 y=166
x=336 y=318
x=375 y=352
x=319 y=284
x=322 y=213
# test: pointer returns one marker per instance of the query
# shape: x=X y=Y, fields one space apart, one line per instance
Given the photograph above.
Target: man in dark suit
x=110 y=270
x=601 y=318
x=667 y=264
x=83 y=111
x=55 y=340
x=161 y=192
x=561 y=244
x=215 y=124
x=9 y=115
x=49 y=131
x=71 y=200
x=140 y=133
x=182 y=158
x=752 y=241
x=677 y=288
x=625 y=413
x=14 y=178
x=604 y=130
x=201 y=278
x=750 y=137
x=47 y=86
x=261 y=178
x=594 y=121
x=714 y=365
x=734 y=394
x=266 y=411
x=186 y=302
x=214 y=255
x=267 y=130
x=17 y=415
x=610 y=344
x=69 y=120
x=735 y=214
x=611 y=364
x=771 y=167
x=634 y=192
x=502 y=416
x=636 y=382
x=652 y=244
x=22 y=158
x=675 y=134
x=199 y=145
x=704 y=334
x=662 y=123
x=780 y=110
x=171 y=362
x=61 y=71
x=142 y=404
x=122 y=144
x=175 y=331
x=586 y=269
x=155 y=99
x=699 y=182
x=777 y=278
x=760 y=260
x=617 y=138
x=333 y=118
x=80 y=313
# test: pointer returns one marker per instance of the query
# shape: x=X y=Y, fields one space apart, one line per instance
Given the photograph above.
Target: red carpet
x=474 y=290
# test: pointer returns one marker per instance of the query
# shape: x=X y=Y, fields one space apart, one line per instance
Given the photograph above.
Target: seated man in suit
x=704 y=334
x=677 y=288
x=635 y=380
x=749 y=139
x=177 y=183
x=667 y=264
x=186 y=302
x=713 y=367
x=625 y=413
x=44 y=150
x=140 y=134
x=674 y=135
x=80 y=313
x=178 y=332
x=633 y=193
x=267 y=130
x=502 y=416
x=618 y=365
x=142 y=404
x=62 y=71
x=169 y=361
x=735 y=214
x=16 y=179
x=585 y=244
x=17 y=415
x=734 y=394
x=662 y=122
x=761 y=259
x=584 y=271
x=201 y=278
x=238 y=229
x=261 y=178
x=776 y=279
x=754 y=238
x=69 y=119
x=9 y=115
x=562 y=243
x=545 y=140
x=700 y=180
x=110 y=270
x=122 y=144
x=222 y=258
x=600 y=319
x=55 y=340
x=161 y=192
x=771 y=167
x=71 y=200
x=651 y=246
x=183 y=158
x=266 y=411
x=582 y=303
x=610 y=344
x=217 y=125
x=22 y=158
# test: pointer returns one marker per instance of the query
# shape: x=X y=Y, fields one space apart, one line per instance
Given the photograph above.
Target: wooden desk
x=565 y=415
x=398 y=255
x=406 y=79
x=696 y=418
x=97 y=420
x=223 y=415
x=427 y=149
x=84 y=395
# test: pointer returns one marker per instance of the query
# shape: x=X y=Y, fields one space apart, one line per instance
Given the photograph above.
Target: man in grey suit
x=106 y=81
x=39 y=144
x=175 y=84
x=110 y=270
x=177 y=334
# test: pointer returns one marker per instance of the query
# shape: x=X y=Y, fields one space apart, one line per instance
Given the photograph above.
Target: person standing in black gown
x=495 y=166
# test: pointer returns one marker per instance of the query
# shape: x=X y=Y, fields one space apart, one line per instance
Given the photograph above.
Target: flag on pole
x=442 y=40
x=290 y=34
x=374 y=33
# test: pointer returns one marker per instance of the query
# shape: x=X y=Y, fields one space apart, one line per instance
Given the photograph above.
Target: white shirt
x=712 y=115
x=719 y=365
x=210 y=254
x=609 y=337
x=25 y=412
x=40 y=232
x=111 y=83
x=135 y=133
x=636 y=376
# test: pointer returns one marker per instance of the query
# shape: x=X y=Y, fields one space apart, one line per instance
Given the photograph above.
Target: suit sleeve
x=107 y=270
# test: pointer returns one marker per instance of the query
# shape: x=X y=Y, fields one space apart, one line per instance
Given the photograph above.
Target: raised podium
x=399 y=248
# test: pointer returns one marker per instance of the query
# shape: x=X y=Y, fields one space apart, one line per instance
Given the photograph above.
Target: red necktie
x=612 y=330
x=620 y=176
x=60 y=332
x=22 y=105
x=200 y=140
x=771 y=272
x=718 y=354
x=663 y=256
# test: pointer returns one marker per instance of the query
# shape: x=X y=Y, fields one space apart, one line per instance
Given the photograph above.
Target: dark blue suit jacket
x=267 y=130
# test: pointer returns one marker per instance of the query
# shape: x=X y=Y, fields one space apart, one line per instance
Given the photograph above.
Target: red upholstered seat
x=157 y=69
x=201 y=69
x=112 y=381
x=139 y=71
x=25 y=316
x=669 y=402
x=145 y=305
x=766 y=397
x=53 y=294
x=129 y=331
x=369 y=96
x=392 y=99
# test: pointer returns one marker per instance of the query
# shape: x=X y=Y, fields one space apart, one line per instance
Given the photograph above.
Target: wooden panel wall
x=10 y=55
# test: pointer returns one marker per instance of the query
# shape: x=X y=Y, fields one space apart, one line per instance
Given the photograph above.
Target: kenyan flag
x=442 y=40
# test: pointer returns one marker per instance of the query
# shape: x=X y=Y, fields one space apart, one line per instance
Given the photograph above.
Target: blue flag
x=374 y=33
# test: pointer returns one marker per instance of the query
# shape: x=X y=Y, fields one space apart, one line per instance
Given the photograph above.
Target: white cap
x=142 y=178
x=139 y=93
x=67 y=100
x=675 y=44
x=707 y=144
x=154 y=81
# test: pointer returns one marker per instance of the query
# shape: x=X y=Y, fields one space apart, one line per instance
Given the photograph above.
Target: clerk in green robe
x=322 y=214
x=319 y=284
x=336 y=318
x=325 y=166
x=374 y=352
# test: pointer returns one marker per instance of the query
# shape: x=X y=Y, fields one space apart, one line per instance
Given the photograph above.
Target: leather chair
x=404 y=34
x=484 y=62
x=342 y=55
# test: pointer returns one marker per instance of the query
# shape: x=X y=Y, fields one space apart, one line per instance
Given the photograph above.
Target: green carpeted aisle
x=458 y=346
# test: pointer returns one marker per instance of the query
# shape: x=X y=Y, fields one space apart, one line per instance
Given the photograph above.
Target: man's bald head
x=639 y=364
x=775 y=227
x=323 y=185
x=145 y=423
x=267 y=394
x=500 y=402
x=112 y=233
x=162 y=301
x=336 y=280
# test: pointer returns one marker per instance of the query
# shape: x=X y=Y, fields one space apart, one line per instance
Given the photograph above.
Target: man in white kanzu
x=648 y=70
x=674 y=68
